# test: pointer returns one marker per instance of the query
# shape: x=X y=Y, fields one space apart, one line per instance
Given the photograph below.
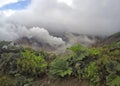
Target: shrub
x=60 y=68
x=5 y=81
x=8 y=63
x=31 y=64
x=91 y=74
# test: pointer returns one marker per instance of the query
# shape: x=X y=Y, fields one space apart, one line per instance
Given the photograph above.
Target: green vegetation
x=60 y=68
x=30 y=64
x=98 y=66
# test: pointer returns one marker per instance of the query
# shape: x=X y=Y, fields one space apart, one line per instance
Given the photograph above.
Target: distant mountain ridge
x=69 y=39
x=111 y=39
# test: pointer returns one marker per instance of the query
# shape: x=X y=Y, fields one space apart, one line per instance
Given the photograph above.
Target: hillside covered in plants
x=83 y=66
x=59 y=42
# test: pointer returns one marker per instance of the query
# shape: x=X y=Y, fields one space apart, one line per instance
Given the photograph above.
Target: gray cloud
x=12 y=32
x=98 y=17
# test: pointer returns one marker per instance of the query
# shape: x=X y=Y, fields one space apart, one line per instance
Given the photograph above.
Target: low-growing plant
x=6 y=81
x=8 y=63
x=60 y=68
x=31 y=64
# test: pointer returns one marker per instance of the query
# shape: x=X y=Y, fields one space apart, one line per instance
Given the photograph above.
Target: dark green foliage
x=8 y=63
x=31 y=64
x=6 y=81
x=113 y=80
x=81 y=58
x=60 y=68
x=23 y=81
x=91 y=74
x=98 y=66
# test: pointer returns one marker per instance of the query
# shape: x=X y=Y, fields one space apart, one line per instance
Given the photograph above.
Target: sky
x=14 y=4
x=96 y=17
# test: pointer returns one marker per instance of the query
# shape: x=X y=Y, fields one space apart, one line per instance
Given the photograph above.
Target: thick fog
x=96 y=17
x=9 y=32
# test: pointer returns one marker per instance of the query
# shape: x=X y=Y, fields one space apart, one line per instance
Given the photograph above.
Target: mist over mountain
x=60 y=23
x=59 y=42
x=111 y=39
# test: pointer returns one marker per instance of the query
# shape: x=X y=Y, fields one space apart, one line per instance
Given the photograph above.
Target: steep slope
x=111 y=39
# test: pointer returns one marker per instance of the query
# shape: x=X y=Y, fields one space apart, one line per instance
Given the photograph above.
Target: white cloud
x=5 y=2
x=11 y=32
x=98 y=17
x=68 y=2
x=8 y=13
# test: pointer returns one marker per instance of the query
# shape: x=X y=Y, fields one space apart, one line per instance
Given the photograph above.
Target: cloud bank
x=9 y=32
x=96 y=17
